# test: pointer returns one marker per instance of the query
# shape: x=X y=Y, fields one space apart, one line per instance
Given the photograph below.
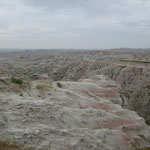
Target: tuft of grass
x=27 y=113
x=142 y=136
x=59 y=85
x=43 y=86
x=12 y=145
x=146 y=148
x=3 y=81
x=16 y=81
x=21 y=94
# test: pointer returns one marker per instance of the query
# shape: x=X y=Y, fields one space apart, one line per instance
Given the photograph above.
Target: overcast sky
x=74 y=23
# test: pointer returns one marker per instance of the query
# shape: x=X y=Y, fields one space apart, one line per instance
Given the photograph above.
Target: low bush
x=59 y=85
x=16 y=81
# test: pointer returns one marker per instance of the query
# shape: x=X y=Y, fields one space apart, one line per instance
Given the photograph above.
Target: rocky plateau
x=75 y=100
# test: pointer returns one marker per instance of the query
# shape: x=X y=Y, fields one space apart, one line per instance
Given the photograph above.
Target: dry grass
x=43 y=86
x=3 y=81
x=146 y=148
x=8 y=145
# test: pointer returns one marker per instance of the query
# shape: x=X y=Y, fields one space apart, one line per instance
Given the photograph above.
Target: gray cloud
x=74 y=24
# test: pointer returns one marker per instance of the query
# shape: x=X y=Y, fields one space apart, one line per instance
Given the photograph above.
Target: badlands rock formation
x=76 y=99
x=129 y=67
x=83 y=115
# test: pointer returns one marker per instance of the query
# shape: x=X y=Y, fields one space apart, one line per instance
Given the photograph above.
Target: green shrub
x=27 y=113
x=17 y=81
x=59 y=85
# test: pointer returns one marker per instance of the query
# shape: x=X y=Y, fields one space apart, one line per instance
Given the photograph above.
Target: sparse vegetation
x=43 y=86
x=59 y=85
x=142 y=136
x=27 y=113
x=8 y=145
x=146 y=148
x=3 y=81
x=48 y=106
x=21 y=94
x=16 y=81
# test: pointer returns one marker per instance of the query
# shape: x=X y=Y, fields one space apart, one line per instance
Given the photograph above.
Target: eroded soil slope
x=67 y=115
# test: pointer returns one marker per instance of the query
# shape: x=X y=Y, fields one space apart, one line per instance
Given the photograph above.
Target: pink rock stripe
x=105 y=106
x=113 y=123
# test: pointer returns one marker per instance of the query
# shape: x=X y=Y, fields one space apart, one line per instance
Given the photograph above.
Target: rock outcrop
x=129 y=67
x=86 y=115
